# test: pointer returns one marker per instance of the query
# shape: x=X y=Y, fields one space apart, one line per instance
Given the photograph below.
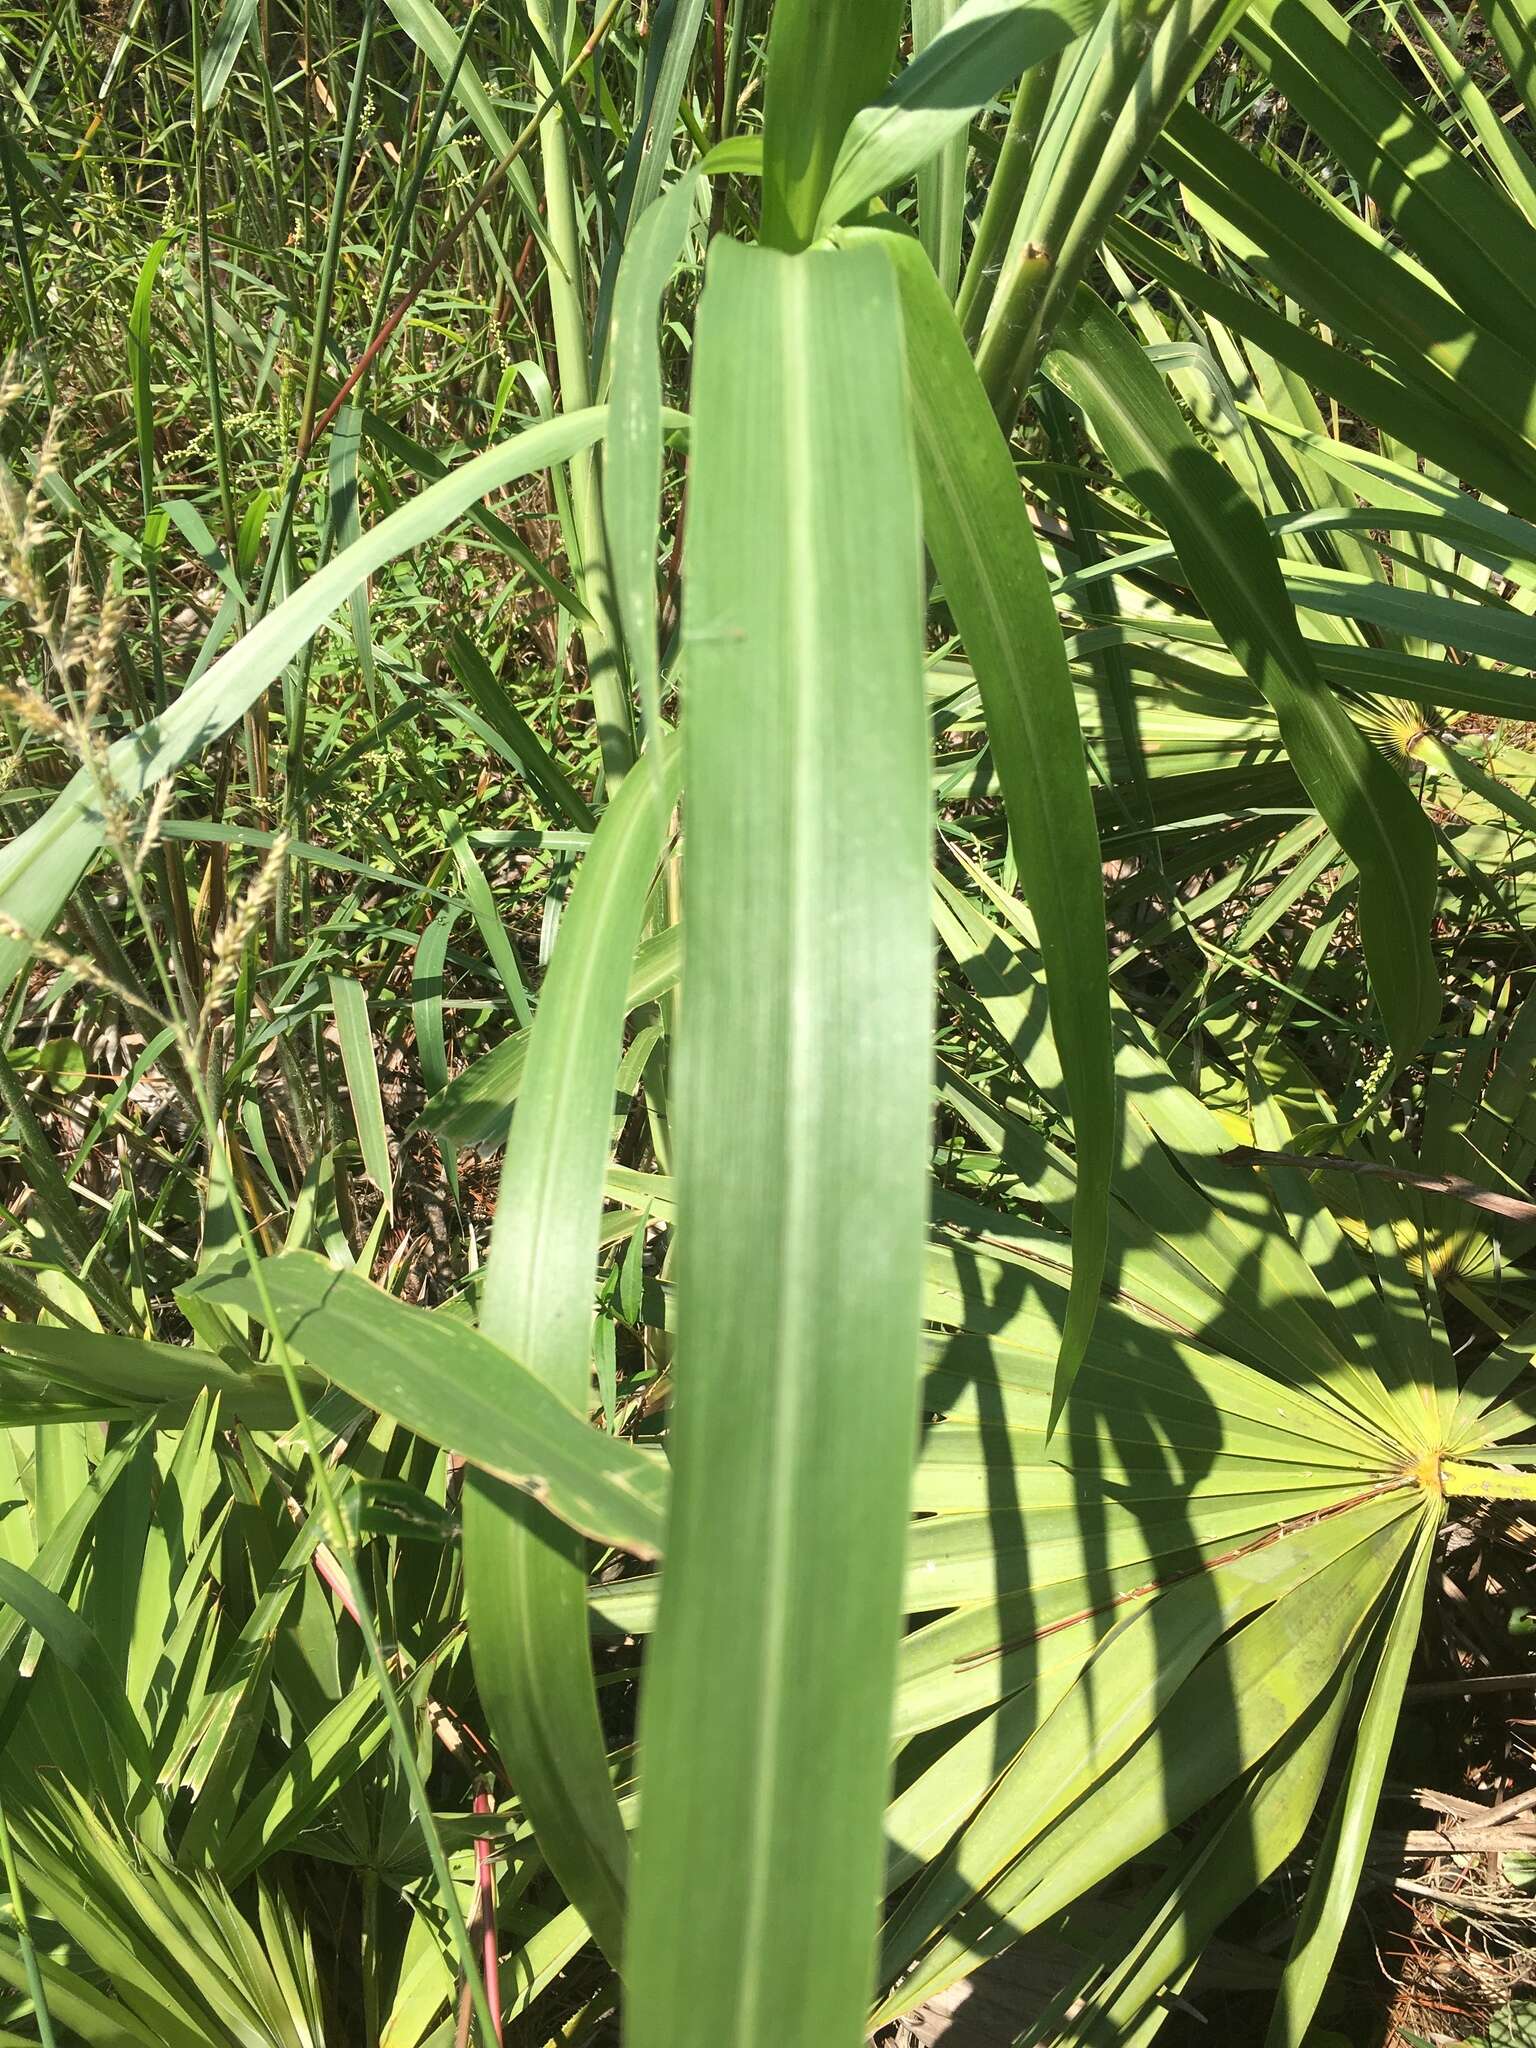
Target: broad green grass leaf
x=359 y=1063
x=1231 y=565
x=224 y=47
x=40 y=868
x=427 y=998
x=940 y=181
x=824 y=64
x=802 y=1130
x=125 y=1375
x=984 y=48
x=454 y=1387
x=984 y=549
x=524 y=1573
x=140 y=363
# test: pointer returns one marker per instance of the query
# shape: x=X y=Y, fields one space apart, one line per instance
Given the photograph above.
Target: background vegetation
x=1012 y=526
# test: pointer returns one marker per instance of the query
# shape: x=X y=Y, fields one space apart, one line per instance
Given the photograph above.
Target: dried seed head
x=33 y=709
x=238 y=928
x=149 y=838
x=14 y=382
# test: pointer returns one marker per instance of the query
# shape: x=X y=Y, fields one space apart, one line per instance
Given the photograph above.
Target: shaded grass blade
x=360 y=1064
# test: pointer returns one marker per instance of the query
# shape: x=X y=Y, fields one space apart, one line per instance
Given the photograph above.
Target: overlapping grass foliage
x=890 y=653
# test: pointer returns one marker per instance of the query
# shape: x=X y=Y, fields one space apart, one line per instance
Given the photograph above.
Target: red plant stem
x=485 y=1877
x=454 y=232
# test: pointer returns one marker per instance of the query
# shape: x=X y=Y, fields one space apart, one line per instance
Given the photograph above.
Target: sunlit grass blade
x=525 y=1574
x=984 y=549
x=454 y=1387
x=1231 y=564
x=802 y=1126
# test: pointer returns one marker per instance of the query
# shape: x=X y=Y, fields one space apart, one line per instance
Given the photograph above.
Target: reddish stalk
x=485 y=1879
x=454 y=232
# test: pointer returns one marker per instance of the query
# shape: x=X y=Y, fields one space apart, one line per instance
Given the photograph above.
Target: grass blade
x=234 y=25
x=525 y=1576
x=632 y=454
x=40 y=868
x=453 y=1387
x=359 y=1062
x=823 y=65
x=985 y=47
x=984 y=549
x=802 y=1131
x=1231 y=565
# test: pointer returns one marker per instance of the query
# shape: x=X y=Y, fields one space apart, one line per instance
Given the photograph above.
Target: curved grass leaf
x=40 y=868
x=984 y=548
x=632 y=452
x=456 y=1388
x=525 y=1576
x=986 y=45
x=1231 y=565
